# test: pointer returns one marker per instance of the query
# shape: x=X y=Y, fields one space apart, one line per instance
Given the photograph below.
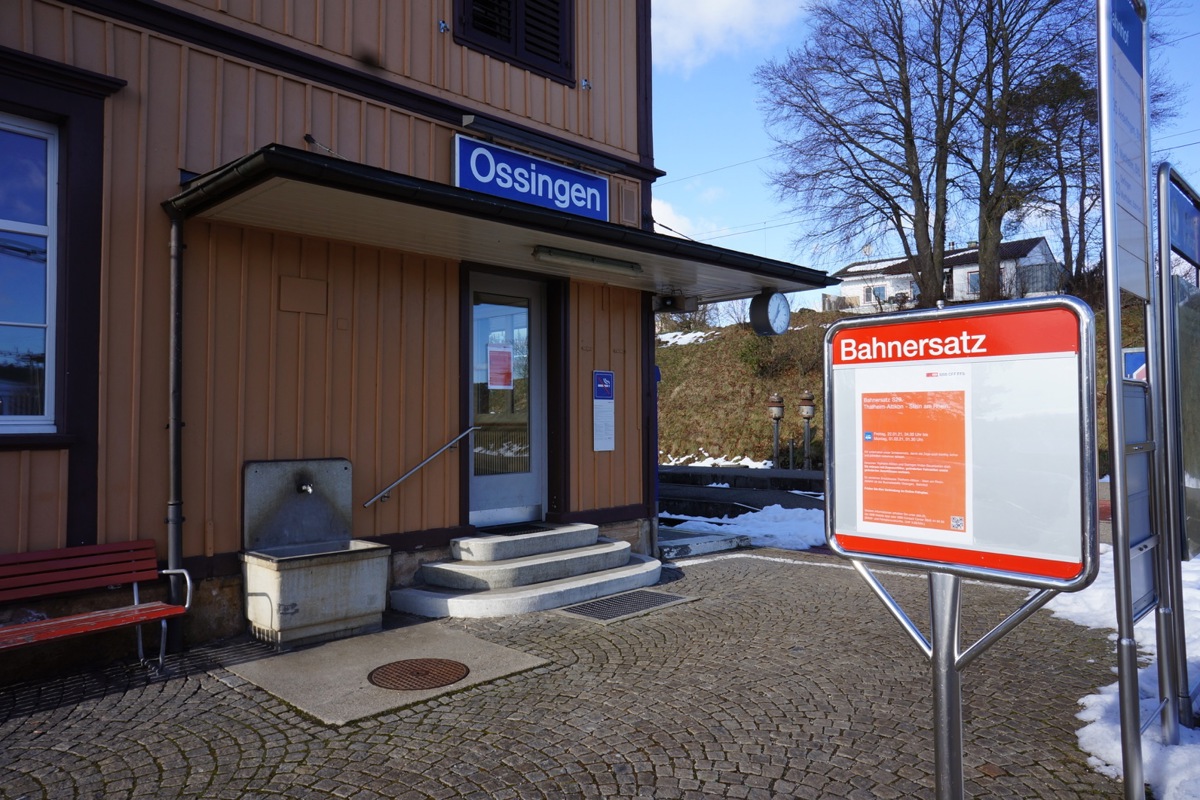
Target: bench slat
x=25 y=576
x=138 y=546
x=78 y=624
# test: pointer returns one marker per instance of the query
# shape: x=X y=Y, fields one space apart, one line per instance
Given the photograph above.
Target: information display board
x=963 y=440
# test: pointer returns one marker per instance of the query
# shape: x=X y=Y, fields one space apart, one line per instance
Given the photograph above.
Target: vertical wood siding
x=606 y=329
x=33 y=500
x=363 y=367
x=402 y=38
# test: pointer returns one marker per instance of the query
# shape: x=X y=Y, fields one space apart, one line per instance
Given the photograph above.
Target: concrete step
x=640 y=572
x=487 y=547
x=526 y=570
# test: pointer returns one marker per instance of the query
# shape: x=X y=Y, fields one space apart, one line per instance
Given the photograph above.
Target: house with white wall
x=1028 y=268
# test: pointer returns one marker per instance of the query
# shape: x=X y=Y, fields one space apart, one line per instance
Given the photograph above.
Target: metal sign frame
x=925 y=364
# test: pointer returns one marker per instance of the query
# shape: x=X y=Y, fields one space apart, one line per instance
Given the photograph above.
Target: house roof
x=960 y=257
x=287 y=189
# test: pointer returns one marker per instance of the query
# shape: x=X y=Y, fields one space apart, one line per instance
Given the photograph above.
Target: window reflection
x=501 y=384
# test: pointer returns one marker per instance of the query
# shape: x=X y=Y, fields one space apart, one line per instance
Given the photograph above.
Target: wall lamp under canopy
x=570 y=258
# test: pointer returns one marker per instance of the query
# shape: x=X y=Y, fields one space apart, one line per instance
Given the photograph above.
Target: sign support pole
x=944 y=596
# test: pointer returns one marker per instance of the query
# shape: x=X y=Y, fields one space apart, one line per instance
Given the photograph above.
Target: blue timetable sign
x=500 y=172
x=1185 y=224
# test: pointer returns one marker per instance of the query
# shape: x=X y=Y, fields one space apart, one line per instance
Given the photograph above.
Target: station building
x=236 y=232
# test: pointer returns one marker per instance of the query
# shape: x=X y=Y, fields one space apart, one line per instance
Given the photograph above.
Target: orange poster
x=914 y=459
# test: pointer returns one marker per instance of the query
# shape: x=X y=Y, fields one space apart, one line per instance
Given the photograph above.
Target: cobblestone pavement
x=785 y=677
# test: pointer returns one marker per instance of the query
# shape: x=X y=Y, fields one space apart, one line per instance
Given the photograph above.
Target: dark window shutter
x=545 y=32
x=492 y=19
x=536 y=34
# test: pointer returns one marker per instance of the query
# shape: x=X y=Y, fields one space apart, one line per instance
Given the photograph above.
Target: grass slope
x=713 y=394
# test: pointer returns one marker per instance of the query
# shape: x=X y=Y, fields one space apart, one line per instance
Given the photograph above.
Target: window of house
x=973 y=282
x=874 y=294
x=28 y=274
x=538 y=35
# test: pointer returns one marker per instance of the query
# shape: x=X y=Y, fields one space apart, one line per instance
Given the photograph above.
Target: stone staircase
x=531 y=568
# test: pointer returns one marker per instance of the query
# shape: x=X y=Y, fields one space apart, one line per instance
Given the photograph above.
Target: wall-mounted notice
x=500 y=366
x=604 y=411
x=962 y=441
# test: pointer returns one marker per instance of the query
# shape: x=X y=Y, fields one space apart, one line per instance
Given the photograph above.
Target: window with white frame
x=28 y=273
x=973 y=282
x=874 y=294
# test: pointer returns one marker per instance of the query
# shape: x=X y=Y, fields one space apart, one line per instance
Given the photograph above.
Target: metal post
x=944 y=596
x=775 y=444
x=807 y=442
x=791 y=453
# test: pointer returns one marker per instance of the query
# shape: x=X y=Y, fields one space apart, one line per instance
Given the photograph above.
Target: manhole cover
x=415 y=674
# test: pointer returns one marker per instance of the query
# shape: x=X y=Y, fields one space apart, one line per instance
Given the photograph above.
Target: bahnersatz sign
x=498 y=171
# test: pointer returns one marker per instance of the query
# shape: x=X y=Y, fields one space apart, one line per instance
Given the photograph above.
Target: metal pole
x=807 y=442
x=944 y=596
x=775 y=444
x=791 y=453
x=1171 y=581
x=174 y=520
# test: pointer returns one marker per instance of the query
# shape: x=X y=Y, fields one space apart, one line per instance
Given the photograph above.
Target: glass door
x=507 y=401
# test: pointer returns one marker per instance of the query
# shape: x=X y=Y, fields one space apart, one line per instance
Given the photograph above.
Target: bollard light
x=775 y=405
x=775 y=409
x=808 y=407
x=808 y=410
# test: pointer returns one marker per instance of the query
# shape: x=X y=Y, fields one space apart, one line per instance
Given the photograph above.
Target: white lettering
x=479 y=151
x=504 y=176
x=896 y=349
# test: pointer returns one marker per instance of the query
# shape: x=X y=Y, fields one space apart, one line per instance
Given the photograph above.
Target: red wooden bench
x=50 y=573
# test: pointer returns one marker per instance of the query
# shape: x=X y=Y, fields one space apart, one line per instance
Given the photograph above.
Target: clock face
x=780 y=313
x=770 y=313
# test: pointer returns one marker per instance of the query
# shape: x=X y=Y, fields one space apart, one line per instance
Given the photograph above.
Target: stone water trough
x=306 y=580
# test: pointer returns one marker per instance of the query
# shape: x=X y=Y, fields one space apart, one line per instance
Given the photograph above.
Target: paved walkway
x=783 y=678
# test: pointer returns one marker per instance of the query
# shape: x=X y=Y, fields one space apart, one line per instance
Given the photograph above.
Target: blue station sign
x=1184 y=224
x=498 y=171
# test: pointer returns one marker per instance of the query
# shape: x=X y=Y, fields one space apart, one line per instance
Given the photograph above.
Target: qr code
x=958 y=524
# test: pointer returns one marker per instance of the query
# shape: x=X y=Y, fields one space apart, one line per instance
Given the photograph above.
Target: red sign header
x=1054 y=330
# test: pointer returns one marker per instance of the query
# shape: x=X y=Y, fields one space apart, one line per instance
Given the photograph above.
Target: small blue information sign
x=603 y=385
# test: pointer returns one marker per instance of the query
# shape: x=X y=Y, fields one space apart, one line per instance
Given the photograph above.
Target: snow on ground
x=674 y=338
x=1172 y=772
x=705 y=460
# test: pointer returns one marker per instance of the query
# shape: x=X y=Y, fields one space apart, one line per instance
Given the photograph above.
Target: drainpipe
x=175 y=435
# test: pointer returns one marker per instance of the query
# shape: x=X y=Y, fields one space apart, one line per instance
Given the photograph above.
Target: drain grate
x=623 y=606
x=514 y=529
x=415 y=674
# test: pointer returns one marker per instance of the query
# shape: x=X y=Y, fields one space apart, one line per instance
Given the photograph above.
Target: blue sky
x=710 y=139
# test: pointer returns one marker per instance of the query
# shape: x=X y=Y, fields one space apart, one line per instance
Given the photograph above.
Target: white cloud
x=673 y=223
x=689 y=33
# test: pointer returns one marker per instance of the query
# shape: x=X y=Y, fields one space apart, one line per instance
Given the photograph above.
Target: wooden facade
x=306 y=340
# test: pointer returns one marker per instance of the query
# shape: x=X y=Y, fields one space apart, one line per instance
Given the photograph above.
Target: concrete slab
x=674 y=543
x=329 y=681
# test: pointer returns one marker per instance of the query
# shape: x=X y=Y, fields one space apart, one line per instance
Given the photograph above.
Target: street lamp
x=775 y=409
x=808 y=410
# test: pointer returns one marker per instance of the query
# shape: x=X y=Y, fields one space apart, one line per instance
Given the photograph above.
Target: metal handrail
x=384 y=494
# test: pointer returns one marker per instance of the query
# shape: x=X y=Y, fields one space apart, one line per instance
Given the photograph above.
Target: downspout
x=175 y=434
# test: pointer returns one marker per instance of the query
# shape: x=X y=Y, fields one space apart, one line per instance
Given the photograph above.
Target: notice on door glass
x=914 y=459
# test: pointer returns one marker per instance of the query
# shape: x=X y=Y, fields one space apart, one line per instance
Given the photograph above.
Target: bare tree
x=865 y=112
x=1017 y=49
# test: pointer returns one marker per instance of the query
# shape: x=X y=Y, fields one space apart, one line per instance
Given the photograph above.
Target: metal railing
x=387 y=492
